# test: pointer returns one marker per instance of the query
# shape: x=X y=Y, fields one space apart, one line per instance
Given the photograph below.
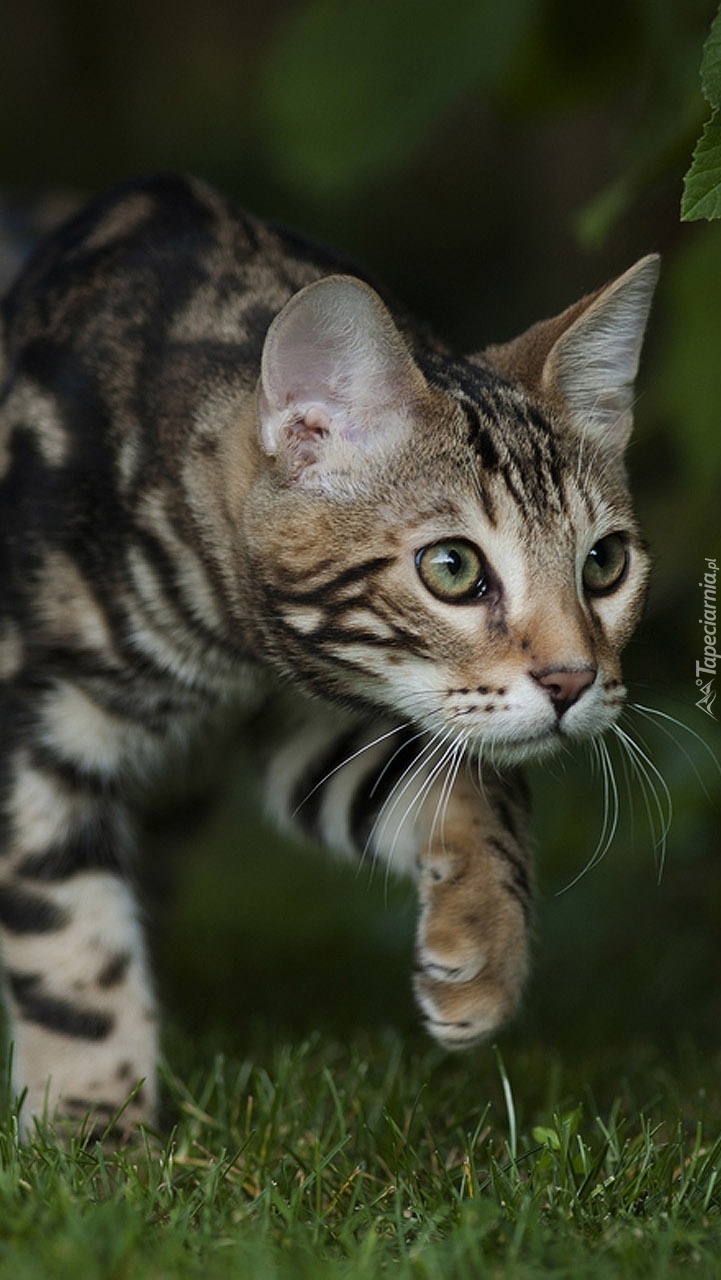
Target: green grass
x=309 y=1130
x=368 y=1160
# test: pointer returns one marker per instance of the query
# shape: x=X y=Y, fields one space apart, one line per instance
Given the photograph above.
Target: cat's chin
x=540 y=746
x=522 y=750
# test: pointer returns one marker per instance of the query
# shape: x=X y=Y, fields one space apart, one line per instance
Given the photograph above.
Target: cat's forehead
x=517 y=455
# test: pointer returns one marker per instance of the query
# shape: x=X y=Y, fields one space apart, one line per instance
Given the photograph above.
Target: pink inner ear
x=335 y=369
x=303 y=432
x=315 y=421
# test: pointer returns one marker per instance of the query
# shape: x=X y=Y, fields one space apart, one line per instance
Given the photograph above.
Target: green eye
x=605 y=565
x=452 y=570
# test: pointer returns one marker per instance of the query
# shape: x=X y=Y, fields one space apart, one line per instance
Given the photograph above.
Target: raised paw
x=471 y=952
x=460 y=1014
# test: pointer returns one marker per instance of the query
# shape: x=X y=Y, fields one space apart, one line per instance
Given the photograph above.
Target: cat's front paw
x=471 y=952
x=461 y=1014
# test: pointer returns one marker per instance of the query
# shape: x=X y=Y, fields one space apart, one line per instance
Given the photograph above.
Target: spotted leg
x=81 y=1013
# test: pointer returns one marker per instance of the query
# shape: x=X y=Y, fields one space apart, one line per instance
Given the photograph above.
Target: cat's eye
x=452 y=570
x=605 y=565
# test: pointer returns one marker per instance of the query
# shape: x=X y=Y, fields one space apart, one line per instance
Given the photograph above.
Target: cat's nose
x=564 y=685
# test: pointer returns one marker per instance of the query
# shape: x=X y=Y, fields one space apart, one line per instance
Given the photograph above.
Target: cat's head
x=453 y=539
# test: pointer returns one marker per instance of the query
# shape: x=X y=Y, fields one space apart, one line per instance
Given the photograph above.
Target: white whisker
x=654 y=716
x=448 y=784
x=419 y=797
x=410 y=773
x=460 y=753
x=394 y=756
x=646 y=771
x=353 y=756
x=609 y=823
x=479 y=770
x=623 y=757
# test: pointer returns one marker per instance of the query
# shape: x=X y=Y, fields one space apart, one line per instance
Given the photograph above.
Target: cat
x=238 y=482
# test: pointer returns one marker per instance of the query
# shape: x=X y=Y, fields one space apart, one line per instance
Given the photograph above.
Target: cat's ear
x=337 y=380
x=585 y=361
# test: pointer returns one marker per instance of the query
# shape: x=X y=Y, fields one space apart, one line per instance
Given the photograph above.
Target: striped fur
x=220 y=461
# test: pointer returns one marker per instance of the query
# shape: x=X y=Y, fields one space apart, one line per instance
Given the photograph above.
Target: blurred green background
x=490 y=162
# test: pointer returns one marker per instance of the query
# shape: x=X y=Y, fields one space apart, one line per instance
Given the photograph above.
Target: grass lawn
x=310 y=1130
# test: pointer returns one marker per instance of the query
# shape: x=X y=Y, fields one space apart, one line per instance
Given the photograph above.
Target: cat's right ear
x=337 y=382
x=585 y=361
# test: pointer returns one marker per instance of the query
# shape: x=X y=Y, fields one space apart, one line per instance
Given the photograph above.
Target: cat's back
x=157 y=263
x=132 y=334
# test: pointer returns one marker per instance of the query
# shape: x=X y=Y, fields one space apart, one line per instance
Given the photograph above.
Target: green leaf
x=352 y=90
x=702 y=184
x=547 y=1137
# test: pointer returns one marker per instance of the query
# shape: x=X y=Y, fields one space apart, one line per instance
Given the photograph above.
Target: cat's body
x=401 y=563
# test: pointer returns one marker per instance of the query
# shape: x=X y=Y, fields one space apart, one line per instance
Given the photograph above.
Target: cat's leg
x=391 y=795
x=82 y=1024
x=475 y=888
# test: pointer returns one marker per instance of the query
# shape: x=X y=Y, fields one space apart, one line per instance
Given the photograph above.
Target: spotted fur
x=221 y=457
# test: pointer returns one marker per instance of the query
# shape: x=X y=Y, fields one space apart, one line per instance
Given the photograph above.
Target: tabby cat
x=234 y=482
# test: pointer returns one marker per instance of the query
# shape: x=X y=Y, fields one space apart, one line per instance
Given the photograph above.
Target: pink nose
x=564 y=685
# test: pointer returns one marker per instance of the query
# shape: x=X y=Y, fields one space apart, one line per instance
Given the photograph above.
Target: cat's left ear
x=337 y=382
x=585 y=361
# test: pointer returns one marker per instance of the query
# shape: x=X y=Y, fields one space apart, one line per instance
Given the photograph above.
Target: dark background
x=491 y=162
